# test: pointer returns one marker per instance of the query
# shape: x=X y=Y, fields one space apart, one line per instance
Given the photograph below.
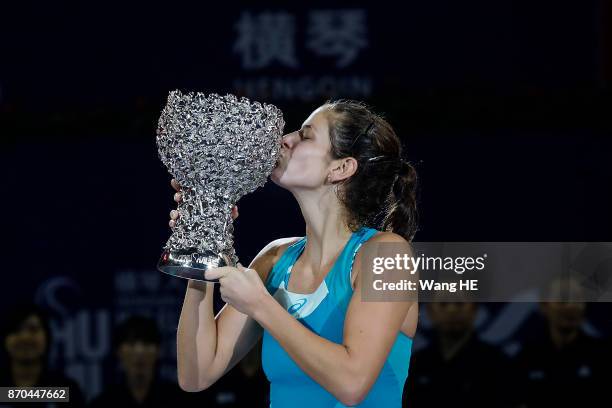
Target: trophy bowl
x=219 y=148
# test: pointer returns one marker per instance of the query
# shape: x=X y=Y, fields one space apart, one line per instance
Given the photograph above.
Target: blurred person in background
x=244 y=385
x=456 y=368
x=137 y=342
x=564 y=366
x=26 y=341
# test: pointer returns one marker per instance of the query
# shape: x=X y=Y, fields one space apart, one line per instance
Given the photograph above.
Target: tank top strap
x=279 y=270
x=339 y=281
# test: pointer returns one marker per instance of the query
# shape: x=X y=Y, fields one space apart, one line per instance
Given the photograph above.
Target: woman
x=137 y=344
x=26 y=342
x=322 y=346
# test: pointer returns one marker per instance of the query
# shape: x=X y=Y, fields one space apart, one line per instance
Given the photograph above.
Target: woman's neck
x=26 y=373
x=139 y=385
x=324 y=247
x=326 y=230
x=562 y=338
x=450 y=345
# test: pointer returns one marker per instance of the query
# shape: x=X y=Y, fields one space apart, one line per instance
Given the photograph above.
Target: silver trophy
x=219 y=148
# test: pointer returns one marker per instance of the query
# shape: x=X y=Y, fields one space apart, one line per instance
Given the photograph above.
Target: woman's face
x=305 y=158
x=138 y=357
x=28 y=342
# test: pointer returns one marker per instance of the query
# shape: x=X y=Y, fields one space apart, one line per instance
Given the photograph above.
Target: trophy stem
x=206 y=244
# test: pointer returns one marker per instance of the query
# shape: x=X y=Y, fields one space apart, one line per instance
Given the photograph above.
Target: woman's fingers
x=174 y=214
x=173 y=217
x=178 y=196
x=235 y=212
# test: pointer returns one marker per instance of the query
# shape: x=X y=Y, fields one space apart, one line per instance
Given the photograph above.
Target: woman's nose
x=289 y=140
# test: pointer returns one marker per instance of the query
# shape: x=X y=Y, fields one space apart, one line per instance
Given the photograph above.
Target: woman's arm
x=346 y=370
x=207 y=346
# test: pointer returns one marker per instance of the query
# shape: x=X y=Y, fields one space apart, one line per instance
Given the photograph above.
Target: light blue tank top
x=323 y=312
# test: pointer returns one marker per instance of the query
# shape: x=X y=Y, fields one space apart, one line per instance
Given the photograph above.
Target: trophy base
x=190 y=264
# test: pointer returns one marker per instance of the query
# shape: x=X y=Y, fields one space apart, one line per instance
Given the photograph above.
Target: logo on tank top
x=297 y=306
x=300 y=305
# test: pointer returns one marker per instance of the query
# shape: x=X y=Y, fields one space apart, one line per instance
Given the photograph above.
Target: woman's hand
x=240 y=287
x=178 y=196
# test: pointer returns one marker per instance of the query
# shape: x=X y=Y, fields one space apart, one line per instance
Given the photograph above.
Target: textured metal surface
x=219 y=148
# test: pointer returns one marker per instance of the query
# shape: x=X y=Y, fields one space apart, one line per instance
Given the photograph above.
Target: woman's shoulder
x=386 y=236
x=270 y=254
x=280 y=245
x=376 y=238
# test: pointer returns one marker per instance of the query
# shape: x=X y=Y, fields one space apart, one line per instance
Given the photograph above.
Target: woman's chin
x=276 y=175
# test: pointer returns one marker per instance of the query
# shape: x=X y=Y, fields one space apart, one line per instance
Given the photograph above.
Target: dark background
x=503 y=108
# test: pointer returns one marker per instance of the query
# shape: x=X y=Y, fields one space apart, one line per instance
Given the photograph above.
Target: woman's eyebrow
x=311 y=127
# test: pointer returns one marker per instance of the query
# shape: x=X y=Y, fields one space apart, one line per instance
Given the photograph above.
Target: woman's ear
x=343 y=169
